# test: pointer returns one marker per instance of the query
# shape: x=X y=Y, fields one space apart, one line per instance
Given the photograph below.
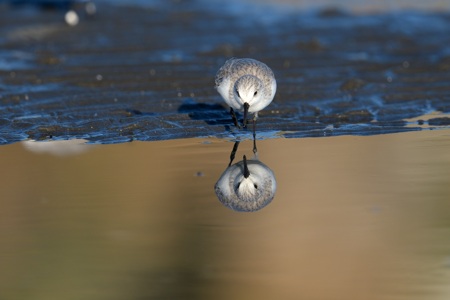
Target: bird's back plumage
x=235 y=68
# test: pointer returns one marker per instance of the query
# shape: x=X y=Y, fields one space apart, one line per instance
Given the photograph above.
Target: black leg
x=233 y=152
x=234 y=118
x=254 y=136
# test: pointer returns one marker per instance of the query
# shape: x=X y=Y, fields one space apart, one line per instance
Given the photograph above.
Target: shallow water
x=353 y=218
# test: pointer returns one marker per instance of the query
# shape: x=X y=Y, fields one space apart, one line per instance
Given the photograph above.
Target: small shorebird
x=247 y=85
x=248 y=185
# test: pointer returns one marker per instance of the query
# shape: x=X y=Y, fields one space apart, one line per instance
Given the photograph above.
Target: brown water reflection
x=353 y=218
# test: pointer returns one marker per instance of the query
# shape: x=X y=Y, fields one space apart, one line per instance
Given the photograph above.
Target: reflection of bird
x=246 y=186
x=246 y=84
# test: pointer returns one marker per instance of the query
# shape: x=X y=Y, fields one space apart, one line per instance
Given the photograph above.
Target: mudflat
x=146 y=72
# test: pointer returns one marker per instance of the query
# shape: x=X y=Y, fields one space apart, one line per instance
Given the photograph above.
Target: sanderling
x=247 y=186
x=246 y=84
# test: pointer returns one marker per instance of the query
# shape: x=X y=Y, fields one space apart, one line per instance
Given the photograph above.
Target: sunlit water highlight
x=358 y=217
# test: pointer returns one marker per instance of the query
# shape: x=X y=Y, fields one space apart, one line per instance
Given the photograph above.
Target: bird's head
x=248 y=89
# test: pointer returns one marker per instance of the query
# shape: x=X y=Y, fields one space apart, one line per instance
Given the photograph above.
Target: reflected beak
x=246 y=107
x=246 y=171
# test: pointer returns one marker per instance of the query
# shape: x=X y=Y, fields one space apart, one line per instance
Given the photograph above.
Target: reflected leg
x=233 y=152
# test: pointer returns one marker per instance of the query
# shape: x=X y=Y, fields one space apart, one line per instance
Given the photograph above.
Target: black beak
x=246 y=171
x=246 y=107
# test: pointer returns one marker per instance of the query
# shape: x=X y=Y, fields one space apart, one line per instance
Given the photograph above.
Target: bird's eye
x=238 y=185
x=237 y=92
x=256 y=92
x=256 y=186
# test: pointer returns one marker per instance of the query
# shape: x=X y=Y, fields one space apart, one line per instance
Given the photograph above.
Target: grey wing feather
x=237 y=67
x=224 y=71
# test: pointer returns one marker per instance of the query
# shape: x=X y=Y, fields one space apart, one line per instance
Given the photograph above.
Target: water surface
x=353 y=218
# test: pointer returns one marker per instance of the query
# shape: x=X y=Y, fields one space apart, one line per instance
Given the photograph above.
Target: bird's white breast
x=224 y=88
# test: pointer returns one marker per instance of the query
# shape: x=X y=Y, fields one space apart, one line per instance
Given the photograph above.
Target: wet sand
x=358 y=217
x=147 y=72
